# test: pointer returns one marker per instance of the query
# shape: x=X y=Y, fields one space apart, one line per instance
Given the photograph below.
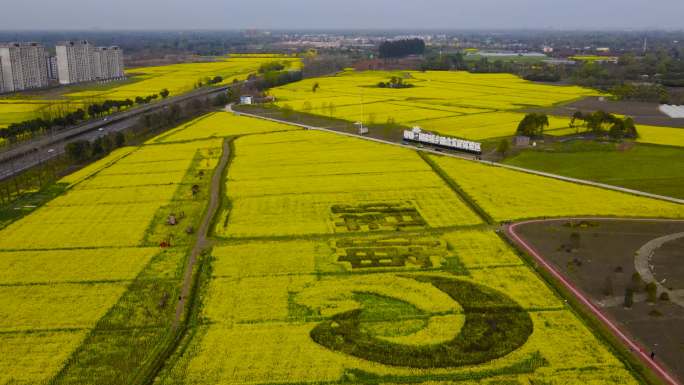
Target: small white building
x=246 y=100
x=521 y=141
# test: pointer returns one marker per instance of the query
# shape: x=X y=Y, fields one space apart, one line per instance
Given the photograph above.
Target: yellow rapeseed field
x=338 y=260
x=34 y=358
x=67 y=265
x=267 y=297
x=219 y=125
x=668 y=136
x=472 y=106
x=287 y=183
x=283 y=278
x=507 y=195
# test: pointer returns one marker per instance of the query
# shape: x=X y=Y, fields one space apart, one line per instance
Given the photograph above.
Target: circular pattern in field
x=494 y=326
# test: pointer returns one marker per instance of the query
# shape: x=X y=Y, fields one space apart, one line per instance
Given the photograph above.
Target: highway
x=27 y=155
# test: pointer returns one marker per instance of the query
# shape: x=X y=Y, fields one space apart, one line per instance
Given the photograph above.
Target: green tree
x=629 y=297
x=503 y=147
x=78 y=151
x=164 y=93
x=533 y=124
x=119 y=139
x=651 y=292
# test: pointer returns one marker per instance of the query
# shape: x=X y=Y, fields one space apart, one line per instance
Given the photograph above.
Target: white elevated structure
x=420 y=136
x=246 y=100
x=361 y=129
x=672 y=111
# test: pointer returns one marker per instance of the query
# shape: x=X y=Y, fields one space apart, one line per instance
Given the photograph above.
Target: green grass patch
x=650 y=168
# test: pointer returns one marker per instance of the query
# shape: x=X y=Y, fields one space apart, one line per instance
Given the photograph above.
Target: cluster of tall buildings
x=28 y=65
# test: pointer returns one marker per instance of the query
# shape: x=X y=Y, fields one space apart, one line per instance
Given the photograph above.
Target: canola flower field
x=85 y=289
x=143 y=81
x=340 y=260
x=471 y=106
x=334 y=260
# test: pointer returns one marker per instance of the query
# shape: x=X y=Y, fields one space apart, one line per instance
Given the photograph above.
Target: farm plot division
x=355 y=249
x=472 y=106
x=86 y=293
x=461 y=104
x=347 y=261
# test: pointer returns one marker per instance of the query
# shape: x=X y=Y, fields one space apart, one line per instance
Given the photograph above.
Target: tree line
x=654 y=77
x=599 y=123
x=401 y=48
x=29 y=128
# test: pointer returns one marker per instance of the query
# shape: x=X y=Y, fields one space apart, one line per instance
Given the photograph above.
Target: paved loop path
x=202 y=235
x=633 y=346
x=642 y=265
x=229 y=108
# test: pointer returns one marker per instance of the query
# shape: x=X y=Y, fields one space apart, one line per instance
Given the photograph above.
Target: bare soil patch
x=598 y=257
x=642 y=112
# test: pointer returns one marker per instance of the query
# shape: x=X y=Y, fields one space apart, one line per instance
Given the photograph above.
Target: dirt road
x=203 y=241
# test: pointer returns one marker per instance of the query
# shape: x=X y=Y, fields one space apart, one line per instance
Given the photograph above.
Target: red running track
x=633 y=346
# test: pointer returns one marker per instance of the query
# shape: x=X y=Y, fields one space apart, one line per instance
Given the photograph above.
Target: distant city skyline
x=347 y=14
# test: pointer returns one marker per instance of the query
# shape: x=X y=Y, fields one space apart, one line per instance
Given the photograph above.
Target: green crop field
x=143 y=81
x=334 y=260
x=655 y=169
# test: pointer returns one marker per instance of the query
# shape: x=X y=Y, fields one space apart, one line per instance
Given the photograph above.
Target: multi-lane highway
x=30 y=154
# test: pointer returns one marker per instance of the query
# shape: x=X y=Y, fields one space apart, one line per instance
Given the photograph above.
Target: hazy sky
x=329 y=14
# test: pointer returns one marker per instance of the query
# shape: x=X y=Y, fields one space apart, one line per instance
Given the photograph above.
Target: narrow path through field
x=203 y=241
x=633 y=346
x=471 y=158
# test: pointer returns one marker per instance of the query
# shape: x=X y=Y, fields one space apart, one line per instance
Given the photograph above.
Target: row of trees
x=82 y=151
x=598 y=123
x=273 y=66
x=29 y=128
x=601 y=122
x=208 y=81
x=401 y=48
x=274 y=79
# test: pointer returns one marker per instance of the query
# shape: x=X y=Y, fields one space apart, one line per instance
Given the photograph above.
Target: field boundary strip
x=470 y=158
x=633 y=346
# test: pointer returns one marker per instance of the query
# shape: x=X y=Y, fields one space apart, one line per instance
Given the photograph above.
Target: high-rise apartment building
x=74 y=61
x=2 y=83
x=24 y=66
x=80 y=61
x=52 y=68
x=107 y=63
